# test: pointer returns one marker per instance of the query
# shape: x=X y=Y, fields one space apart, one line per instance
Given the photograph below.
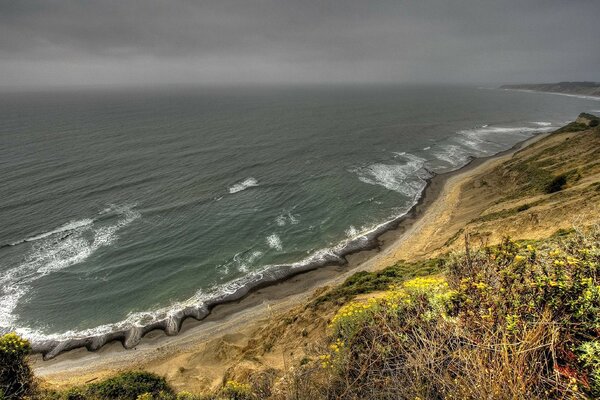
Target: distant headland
x=574 y=88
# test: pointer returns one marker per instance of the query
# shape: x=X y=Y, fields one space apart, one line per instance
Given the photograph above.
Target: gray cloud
x=56 y=42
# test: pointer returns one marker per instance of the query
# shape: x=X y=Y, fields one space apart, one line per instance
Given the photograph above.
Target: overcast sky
x=88 y=42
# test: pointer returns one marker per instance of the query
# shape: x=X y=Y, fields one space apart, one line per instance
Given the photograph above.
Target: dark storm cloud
x=57 y=42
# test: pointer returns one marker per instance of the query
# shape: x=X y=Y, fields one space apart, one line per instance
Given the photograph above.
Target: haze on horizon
x=126 y=42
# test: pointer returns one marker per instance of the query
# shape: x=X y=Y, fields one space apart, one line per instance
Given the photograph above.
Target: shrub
x=238 y=391
x=572 y=127
x=16 y=378
x=129 y=386
x=589 y=356
x=557 y=184
x=374 y=350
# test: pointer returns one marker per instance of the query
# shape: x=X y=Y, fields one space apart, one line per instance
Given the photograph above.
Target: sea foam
x=274 y=242
x=243 y=185
x=286 y=217
x=407 y=178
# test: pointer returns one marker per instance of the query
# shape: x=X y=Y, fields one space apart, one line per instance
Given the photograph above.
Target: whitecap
x=274 y=242
x=286 y=217
x=452 y=154
x=407 y=179
x=243 y=185
x=243 y=260
x=70 y=226
x=542 y=123
x=499 y=130
x=280 y=220
x=351 y=232
x=483 y=140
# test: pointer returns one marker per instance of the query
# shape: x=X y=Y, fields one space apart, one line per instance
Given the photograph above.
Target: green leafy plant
x=16 y=378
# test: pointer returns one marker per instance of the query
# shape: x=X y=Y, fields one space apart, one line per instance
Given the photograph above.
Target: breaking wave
x=408 y=178
x=66 y=228
x=243 y=185
x=54 y=251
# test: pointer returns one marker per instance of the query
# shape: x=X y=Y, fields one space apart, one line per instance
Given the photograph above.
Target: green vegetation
x=16 y=379
x=593 y=120
x=130 y=385
x=573 y=127
x=511 y=321
x=557 y=184
x=367 y=282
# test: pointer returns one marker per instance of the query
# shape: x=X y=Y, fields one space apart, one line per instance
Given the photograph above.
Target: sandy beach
x=202 y=346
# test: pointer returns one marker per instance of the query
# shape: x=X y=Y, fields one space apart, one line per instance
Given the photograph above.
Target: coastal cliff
x=452 y=308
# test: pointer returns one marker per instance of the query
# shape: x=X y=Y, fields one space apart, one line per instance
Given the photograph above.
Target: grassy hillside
x=550 y=185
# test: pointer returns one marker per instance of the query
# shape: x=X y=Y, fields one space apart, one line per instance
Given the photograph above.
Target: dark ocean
x=119 y=206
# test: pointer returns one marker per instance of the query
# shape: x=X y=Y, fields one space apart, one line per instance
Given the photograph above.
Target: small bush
x=129 y=386
x=16 y=378
x=557 y=184
x=573 y=127
x=238 y=391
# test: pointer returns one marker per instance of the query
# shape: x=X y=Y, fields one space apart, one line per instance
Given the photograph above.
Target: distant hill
x=580 y=88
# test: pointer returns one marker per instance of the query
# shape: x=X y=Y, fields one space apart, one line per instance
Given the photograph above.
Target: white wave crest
x=70 y=226
x=484 y=140
x=286 y=218
x=351 y=232
x=242 y=261
x=407 y=179
x=274 y=242
x=487 y=130
x=52 y=252
x=579 y=96
x=542 y=123
x=243 y=185
x=452 y=154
